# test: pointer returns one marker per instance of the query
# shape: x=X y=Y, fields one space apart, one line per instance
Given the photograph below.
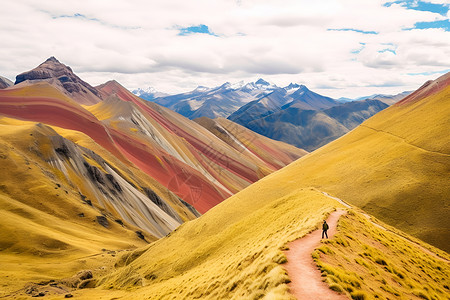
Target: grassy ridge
x=234 y=250
x=238 y=259
x=367 y=262
x=395 y=163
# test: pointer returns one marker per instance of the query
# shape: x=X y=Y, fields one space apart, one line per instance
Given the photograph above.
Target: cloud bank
x=337 y=47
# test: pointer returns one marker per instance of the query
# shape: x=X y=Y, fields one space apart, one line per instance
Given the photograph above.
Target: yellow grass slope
x=366 y=261
x=234 y=252
x=49 y=230
x=231 y=252
x=40 y=223
x=394 y=166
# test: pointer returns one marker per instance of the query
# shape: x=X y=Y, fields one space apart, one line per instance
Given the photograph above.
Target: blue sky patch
x=76 y=16
x=203 y=29
x=357 y=51
x=354 y=30
x=388 y=50
x=441 y=9
x=444 y=24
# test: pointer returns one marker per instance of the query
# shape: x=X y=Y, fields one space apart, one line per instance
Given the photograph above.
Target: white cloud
x=137 y=43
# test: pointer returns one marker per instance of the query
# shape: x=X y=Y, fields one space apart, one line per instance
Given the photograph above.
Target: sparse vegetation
x=377 y=264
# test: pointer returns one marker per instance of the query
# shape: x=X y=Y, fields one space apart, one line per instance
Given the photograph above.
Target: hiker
x=325 y=228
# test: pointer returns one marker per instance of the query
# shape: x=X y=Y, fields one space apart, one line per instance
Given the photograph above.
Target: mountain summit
x=70 y=84
x=220 y=101
x=262 y=82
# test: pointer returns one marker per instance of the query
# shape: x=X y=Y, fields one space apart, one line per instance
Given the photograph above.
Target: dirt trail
x=306 y=281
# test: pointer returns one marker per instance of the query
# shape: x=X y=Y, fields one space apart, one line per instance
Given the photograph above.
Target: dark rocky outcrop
x=102 y=220
x=52 y=70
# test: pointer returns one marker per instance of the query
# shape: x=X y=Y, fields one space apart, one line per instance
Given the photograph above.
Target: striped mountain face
x=132 y=161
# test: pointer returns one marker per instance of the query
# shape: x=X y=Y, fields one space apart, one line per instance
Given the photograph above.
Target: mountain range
x=292 y=114
x=129 y=159
x=304 y=118
x=106 y=195
x=393 y=166
x=213 y=102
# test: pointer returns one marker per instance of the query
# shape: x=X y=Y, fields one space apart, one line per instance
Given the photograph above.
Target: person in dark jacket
x=324 y=228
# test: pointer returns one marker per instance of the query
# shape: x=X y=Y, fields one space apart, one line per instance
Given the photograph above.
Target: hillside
x=178 y=153
x=253 y=146
x=394 y=165
x=53 y=213
x=82 y=184
x=234 y=251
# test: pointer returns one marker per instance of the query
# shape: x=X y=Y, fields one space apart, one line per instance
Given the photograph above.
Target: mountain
x=95 y=171
x=62 y=77
x=388 y=99
x=394 y=166
x=306 y=128
x=304 y=98
x=274 y=153
x=5 y=82
x=215 y=102
x=296 y=96
x=81 y=184
x=149 y=93
x=180 y=154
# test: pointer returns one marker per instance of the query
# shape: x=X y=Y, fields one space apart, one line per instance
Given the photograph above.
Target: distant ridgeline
x=292 y=114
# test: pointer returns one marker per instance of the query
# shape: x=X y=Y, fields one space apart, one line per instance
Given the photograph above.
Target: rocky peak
x=303 y=88
x=292 y=86
x=71 y=84
x=52 y=59
x=262 y=82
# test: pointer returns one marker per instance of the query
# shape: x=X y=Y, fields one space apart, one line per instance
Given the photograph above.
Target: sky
x=338 y=48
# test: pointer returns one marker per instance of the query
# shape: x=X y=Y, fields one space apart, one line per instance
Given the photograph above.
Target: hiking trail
x=306 y=281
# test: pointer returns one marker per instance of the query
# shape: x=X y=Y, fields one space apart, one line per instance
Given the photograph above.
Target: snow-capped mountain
x=215 y=102
x=149 y=93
